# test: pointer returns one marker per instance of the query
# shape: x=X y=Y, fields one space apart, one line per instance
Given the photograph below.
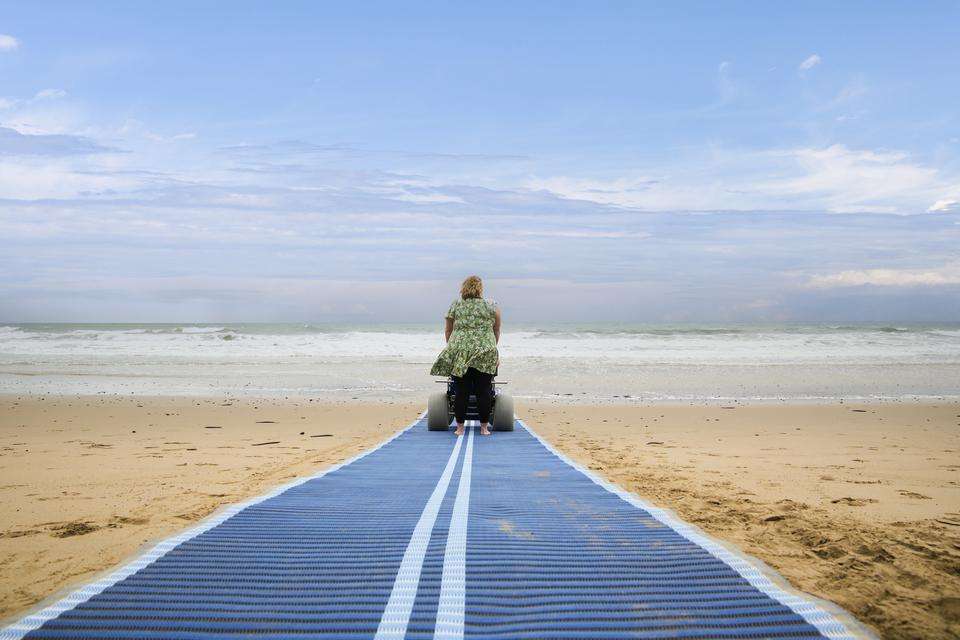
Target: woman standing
x=472 y=333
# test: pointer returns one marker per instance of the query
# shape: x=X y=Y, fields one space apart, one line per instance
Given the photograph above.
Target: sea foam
x=580 y=361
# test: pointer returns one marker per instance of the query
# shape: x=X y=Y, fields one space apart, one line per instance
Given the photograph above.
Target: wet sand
x=856 y=504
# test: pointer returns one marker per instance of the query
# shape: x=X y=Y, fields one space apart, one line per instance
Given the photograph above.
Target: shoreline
x=592 y=362
x=778 y=481
x=559 y=399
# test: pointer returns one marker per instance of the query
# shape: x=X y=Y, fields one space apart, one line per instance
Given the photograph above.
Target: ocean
x=569 y=363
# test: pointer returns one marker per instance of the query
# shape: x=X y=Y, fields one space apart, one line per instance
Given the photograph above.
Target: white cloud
x=58 y=177
x=8 y=43
x=948 y=274
x=44 y=113
x=614 y=234
x=428 y=198
x=14 y=143
x=50 y=94
x=834 y=178
x=626 y=190
x=810 y=62
x=305 y=219
x=846 y=180
x=945 y=205
x=727 y=89
x=848 y=101
x=132 y=129
x=725 y=85
x=854 y=89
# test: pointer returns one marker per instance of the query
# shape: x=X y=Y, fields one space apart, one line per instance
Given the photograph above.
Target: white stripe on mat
x=453 y=582
x=396 y=616
x=34 y=620
x=830 y=620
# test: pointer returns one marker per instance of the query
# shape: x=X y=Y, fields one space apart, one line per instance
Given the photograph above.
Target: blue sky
x=594 y=161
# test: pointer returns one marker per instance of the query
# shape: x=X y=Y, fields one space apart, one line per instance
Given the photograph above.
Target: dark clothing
x=477 y=383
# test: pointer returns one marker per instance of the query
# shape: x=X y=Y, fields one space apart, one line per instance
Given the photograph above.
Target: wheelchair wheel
x=438 y=412
x=503 y=413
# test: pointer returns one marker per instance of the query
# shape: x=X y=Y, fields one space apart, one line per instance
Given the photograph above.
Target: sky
x=592 y=161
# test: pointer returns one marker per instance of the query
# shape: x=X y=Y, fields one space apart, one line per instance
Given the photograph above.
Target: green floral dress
x=472 y=343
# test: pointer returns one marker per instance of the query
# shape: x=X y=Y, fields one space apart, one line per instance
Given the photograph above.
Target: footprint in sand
x=71 y=529
x=19 y=533
x=119 y=521
x=913 y=494
x=853 y=502
x=196 y=514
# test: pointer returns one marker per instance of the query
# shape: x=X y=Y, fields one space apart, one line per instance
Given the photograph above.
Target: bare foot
x=484 y=431
x=459 y=431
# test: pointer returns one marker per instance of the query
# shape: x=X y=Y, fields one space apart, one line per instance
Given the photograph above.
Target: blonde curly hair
x=472 y=287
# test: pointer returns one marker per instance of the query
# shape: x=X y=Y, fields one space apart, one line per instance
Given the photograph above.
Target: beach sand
x=86 y=481
x=856 y=504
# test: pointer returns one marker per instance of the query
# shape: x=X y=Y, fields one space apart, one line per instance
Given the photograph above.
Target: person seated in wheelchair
x=471 y=358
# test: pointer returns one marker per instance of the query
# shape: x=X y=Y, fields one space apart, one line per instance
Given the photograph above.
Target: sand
x=859 y=505
x=86 y=482
x=856 y=504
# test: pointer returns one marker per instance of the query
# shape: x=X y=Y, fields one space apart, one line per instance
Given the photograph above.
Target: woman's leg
x=483 y=383
x=461 y=391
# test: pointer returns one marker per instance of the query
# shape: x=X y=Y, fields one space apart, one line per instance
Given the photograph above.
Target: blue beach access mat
x=434 y=536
